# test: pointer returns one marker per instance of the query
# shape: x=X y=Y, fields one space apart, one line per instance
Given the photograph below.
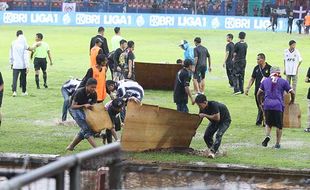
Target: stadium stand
x=204 y=7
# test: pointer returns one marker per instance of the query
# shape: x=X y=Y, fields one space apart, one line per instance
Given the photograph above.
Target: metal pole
x=75 y=177
x=60 y=181
x=115 y=172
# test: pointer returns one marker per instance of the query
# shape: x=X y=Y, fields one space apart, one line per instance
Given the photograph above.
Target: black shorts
x=200 y=72
x=40 y=63
x=274 y=118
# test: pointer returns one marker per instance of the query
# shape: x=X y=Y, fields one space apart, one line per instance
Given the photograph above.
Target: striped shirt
x=71 y=85
x=130 y=88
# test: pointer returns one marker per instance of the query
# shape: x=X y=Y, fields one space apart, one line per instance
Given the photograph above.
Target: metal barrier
x=109 y=154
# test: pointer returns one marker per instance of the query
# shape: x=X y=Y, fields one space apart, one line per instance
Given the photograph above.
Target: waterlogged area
x=181 y=180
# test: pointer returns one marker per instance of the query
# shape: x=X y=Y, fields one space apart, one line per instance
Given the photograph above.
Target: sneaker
x=265 y=142
x=14 y=94
x=237 y=93
x=211 y=155
x=45 y=86
x=38 y=87
x=307 y=130
x=25 y=94
x=277 y=146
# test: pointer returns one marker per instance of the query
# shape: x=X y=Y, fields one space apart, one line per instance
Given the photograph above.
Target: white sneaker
x=14 y=94
x=211 y=155
x=25 y=94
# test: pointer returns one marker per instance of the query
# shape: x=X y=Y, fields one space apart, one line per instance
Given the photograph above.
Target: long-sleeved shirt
x=19 y=57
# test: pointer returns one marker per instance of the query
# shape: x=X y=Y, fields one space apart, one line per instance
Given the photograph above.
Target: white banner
x=68 y=7
x=3 y=6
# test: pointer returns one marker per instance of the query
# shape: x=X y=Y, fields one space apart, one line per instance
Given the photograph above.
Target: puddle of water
x=177 y=180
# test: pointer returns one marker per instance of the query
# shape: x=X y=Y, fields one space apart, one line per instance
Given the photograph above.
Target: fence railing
x=109 y=156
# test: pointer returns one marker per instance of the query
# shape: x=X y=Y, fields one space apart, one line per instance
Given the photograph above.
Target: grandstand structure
x=202 y=7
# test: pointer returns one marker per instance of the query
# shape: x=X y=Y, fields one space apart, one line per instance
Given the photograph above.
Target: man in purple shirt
x=273 y=89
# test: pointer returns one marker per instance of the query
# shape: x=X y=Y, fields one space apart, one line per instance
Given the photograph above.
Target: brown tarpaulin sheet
x=292 y=114
x=150 y=127
x=98 y=118
x=156 y=76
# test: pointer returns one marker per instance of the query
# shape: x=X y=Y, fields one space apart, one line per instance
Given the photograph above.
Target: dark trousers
x=307 y=29
x=111 y=67
x=274 y=26
x=182 y=107
x=219 y=129
x=289 y=27
x=229 y=72
x=66 y=104
x=23 y=79
x=260 y=114
x=238 y=73
x=299 y=25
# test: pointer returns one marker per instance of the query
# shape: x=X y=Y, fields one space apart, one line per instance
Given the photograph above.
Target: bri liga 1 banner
x=203 y=22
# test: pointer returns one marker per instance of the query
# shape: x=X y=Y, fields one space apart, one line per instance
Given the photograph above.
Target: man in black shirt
x=84 y=98
x=119 y=59
x=104 y=45
x=200 y=54
x=181 y=87
x=260 y=72
x=114 y=108
x=219 y=118
x=228 y=58
x=290 y=19
x=308 y=97
x=129 y=68
x=1 y=95
x=239 y=63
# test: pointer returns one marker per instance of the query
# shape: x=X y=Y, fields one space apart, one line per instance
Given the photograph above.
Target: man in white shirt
x=292 y=61
x=116 y=38
x=67 y=91
x=19 y=61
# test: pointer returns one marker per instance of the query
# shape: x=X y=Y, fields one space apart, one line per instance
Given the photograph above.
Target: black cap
x=98 y=40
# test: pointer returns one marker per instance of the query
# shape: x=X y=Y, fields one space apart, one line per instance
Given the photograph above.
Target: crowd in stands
x=202 y=7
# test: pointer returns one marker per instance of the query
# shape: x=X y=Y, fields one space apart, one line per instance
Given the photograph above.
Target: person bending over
x=84 y=98
x=219 y=117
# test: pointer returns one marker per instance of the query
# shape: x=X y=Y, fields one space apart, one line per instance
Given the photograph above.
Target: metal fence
x=108 y=155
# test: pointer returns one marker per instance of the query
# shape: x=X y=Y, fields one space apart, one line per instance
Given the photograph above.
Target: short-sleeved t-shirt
x=82 y=97
x=182 y=80
x=202 y=54
x=217 y=107
x=274 y=93
x=230 y=49
x=130 y=56
x=308 y=75
x=291 y=60
x=241 y=51
x=41 y=51
x=259 y=73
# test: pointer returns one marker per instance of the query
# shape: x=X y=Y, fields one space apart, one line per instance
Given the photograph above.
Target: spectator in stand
x=255 y=10
x=104 y=44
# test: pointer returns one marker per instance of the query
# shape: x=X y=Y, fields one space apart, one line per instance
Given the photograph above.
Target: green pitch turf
x=29 y=123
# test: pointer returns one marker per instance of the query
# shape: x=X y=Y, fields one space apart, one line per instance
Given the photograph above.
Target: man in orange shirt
x=96 y=50
x=307 y=22
x=98 y=72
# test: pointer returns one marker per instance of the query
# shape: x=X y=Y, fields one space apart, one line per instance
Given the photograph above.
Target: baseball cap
x=275 y=70
x=183 y=42
x=99 y=40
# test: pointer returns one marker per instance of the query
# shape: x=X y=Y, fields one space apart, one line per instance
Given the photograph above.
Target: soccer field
x=29 y=123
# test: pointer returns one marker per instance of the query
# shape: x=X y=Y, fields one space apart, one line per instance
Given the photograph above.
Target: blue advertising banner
x=139 y=20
